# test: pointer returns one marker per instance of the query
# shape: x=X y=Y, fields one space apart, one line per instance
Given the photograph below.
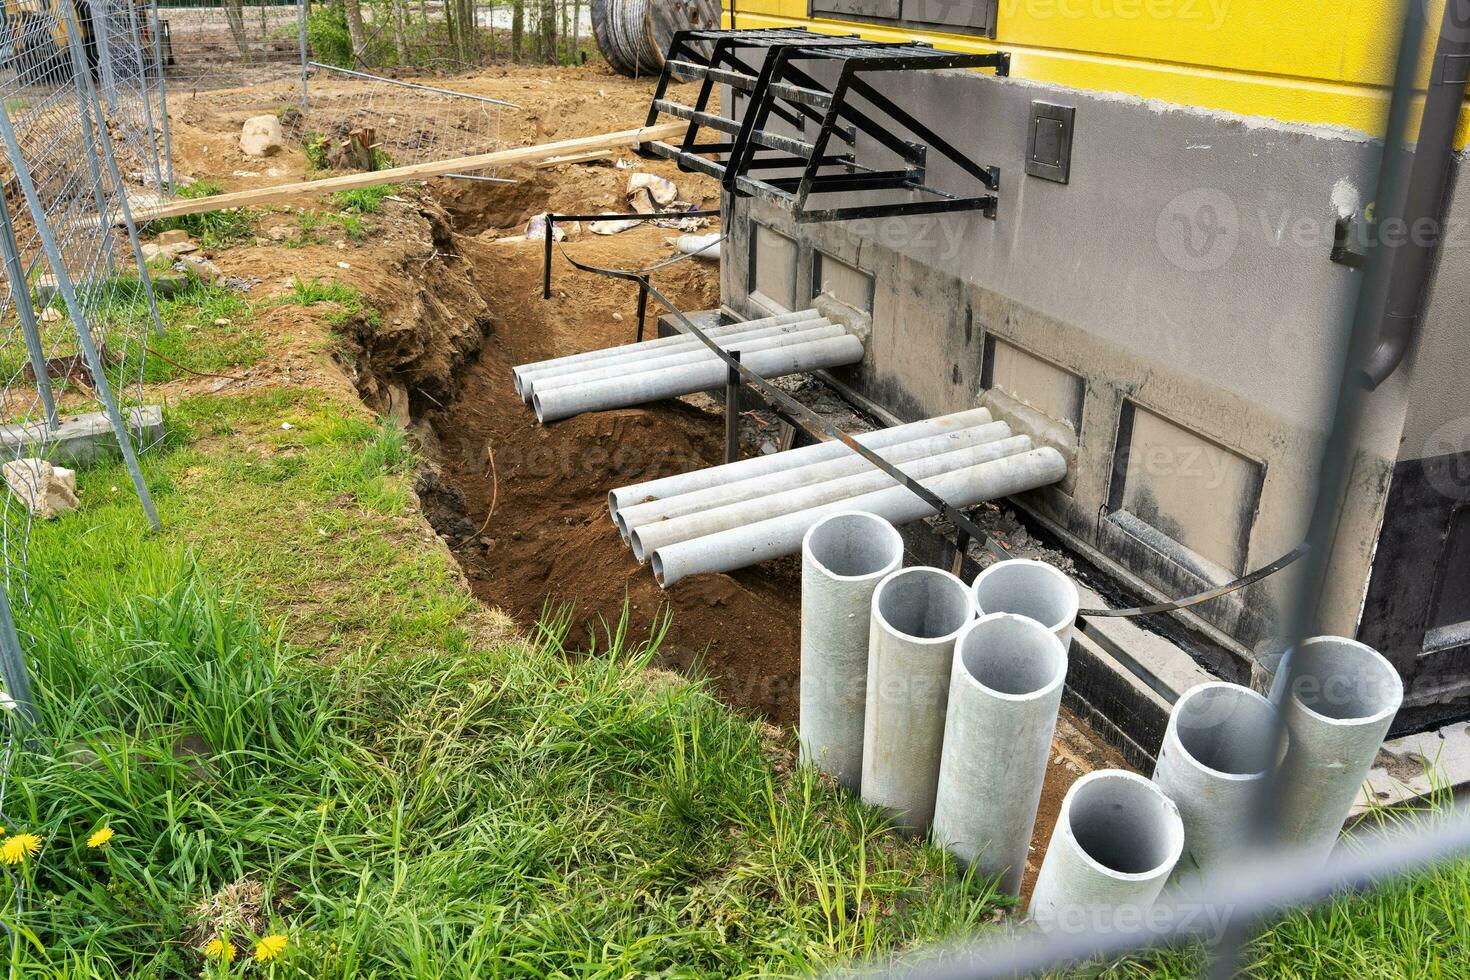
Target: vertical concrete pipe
x=1005 y=690
x=1030 y=588
x=1218 y=751
x=644 y=348
x=917 y=614
x=736 y=491
x=1117 y=839
x=1343 y=698
x=843 y=558
x=739 y=547
x=655 y=385
x=667 y=487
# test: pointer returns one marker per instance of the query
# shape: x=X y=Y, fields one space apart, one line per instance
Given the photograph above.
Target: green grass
x=211 y=229
x=351 y=304
x=364 y=200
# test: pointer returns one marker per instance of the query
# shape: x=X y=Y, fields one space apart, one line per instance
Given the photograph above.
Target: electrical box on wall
x=1049 y=142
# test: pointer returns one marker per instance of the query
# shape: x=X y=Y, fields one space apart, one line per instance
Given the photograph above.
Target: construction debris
x=46 y=490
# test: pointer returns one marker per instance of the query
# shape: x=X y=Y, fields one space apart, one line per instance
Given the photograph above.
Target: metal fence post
x=25 y=310
x=13 y=665
x=168 y=145
x=135 y=31
x=301 y=12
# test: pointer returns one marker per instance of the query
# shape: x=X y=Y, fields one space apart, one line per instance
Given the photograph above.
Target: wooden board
x=420 y=171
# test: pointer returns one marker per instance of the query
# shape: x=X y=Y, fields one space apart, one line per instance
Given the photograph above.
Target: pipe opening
x=924 y=603
x=536 y=404
x=855 y=545
x=1011 y=655
x=1226 y=728
x=658 y=568
x=1027 y=588
x=1343 y=680
x=1124 y=823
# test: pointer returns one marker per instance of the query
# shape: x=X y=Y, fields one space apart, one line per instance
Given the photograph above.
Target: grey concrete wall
x=1184 y=272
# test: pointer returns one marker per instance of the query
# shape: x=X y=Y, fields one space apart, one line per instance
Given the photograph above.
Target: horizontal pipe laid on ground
x=750 y=488
x=1031 y=588
x=652 y=386
x=1116 y=842
x=647 y=538
x=1217 y=752
x=584 y=359
x=1004 y=695
x=759 y=340
x=739 y=547
x=843 y=558
x=1343 y=699
x=917 y=614
x=712 y=476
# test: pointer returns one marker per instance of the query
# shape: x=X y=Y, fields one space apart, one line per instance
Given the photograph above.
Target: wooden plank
x=586 y=157
x=419 y=171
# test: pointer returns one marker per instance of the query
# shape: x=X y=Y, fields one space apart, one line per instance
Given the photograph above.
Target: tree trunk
x=547 y=25
x=400 y=30
x=235 y=15
x=517 y=28
x=356 y=33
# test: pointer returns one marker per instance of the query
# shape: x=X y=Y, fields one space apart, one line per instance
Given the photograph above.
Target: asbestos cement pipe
x=739 y=547
x=766 y=339
x=1217 y=753
x=917 y=614
x=1005 y=690
x=650 y=537
x=1115 y=844
x=652 y=386
x=638 y=357
x=1030 y=588
x=666 y=487
x=586 y=358
x=698 y=501
x=843 y=558
x=1343 y=698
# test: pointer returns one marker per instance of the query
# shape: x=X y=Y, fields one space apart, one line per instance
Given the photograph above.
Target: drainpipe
x=1217 y=753
x=843 y=558
x=1004 y=693
x=1411 y=263
x=1117 y=840
x=917 y=616
x=1029 y=588
x=1344 y=695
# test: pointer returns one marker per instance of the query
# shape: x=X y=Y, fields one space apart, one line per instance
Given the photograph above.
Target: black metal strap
x=552 y=219
x=1248 y=579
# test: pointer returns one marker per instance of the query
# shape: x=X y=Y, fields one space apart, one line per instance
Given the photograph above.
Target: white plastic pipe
x=1030 y=588
x=1342 y=702
x=1005 y=691
x=694 y=502
x=629 y=356
x=713 y=476
x=917 y=614
x=647 y=538
x=652 y=386
x=843 y=557
x=1217 y=752
x=1116 y=841
x=770 y=337
x=738 y=547
x=521 y=371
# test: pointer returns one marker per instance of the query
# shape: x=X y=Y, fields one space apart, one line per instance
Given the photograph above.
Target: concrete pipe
x=739 y=547
x=698 y=501
x=1005 y=690
x=656 y=534
x=917 y=614
x=1343 y=698
x=843 y=557
x=586 y=358
x=1218 y=751
x=749 y=343
x=1116 y=841
x=652 y=386
x=713 y=476
x=1030 y=588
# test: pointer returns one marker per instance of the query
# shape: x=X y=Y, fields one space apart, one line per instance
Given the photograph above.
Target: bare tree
x=546 y=26
x=517 y=28
x=400 y=32
x=355 y=32
x=235 y=14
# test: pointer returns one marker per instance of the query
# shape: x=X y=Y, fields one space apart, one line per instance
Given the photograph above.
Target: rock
x=46 y=490
x=261 y=136
x=222 y=322
x=50 y=315
x=202 y=267
x=173 y=236
x=284 y=233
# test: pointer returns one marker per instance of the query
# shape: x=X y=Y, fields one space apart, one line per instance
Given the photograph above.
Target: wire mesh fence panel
x=360 y=121
x=118 y=38
x=229 y=44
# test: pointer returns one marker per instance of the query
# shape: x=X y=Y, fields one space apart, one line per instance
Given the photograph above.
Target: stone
x=261 y=136
x=173 y=236
x=202 y=267
x=46 y=490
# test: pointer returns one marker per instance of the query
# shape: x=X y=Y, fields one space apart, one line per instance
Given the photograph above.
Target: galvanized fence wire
x=212 y=45
x=119 y=38
x=407 y=122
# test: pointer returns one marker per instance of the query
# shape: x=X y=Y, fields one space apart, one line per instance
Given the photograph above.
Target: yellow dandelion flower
x=220 y=949
x=16 y=849
x=100 y=837
x=270 y=947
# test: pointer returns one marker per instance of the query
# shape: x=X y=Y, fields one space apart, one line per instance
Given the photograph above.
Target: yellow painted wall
x=1309 y=61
